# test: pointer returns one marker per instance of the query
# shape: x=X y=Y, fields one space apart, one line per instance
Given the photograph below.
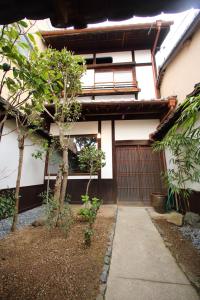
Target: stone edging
x=107 y=261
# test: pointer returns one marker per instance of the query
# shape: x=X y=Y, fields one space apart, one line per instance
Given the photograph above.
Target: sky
x=181 y=23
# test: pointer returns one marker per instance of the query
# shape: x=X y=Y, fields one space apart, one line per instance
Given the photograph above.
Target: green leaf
x=23 y=23
x=31 y=37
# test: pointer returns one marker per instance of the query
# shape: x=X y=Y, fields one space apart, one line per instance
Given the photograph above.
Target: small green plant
x=90 y=209
x=88 y=233
x=7 y=204
x=65 y=217
x=89 y=213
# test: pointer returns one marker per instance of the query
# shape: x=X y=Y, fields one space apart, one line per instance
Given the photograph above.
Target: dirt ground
x=187 y=256
x=36 y=263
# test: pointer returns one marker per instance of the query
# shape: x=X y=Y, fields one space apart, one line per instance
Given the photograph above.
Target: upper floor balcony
x=108 y=81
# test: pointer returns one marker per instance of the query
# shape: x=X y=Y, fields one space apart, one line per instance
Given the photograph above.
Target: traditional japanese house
x=121 y=107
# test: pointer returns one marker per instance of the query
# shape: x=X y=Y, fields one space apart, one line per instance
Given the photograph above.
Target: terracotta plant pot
x=158 y=202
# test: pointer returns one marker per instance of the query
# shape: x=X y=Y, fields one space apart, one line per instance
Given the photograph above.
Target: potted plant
x=158 y=201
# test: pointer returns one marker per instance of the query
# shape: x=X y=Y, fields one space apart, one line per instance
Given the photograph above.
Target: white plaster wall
x=53 y=177
x=144 y=77
x=85 y=99
x=32 y=170
x=142 y=56
x=77 y=128
x=88 y=78
x=118 y=57
x=106 y=98
x=87 y=55
x=106 y=146
x=114 y=98
x=183 y=71
x=123 y=76
x=134 y=129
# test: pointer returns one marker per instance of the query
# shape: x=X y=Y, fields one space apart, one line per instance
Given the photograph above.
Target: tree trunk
x=19 y=173
x=57 y=187
x=57 y=191
x=90 y=179
x=88 y=185
x=65 y=177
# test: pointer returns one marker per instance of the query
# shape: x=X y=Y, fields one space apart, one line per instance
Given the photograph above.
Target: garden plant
x=183 y=142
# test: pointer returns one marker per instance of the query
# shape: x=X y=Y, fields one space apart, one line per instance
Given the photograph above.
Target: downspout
x=159 y=25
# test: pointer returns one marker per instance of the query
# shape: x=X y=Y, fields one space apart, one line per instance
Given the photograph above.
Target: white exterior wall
x=142 y=56
x=77 y=128
x=118 y=98
x=106 y=146
x=134 y=129
x=32 y=170
x=144 y=77
x=182 y=73
x=118 y=57
x=88 y=78
x=114 y=98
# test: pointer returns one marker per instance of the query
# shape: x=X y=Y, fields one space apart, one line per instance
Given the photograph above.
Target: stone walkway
x=142 y=268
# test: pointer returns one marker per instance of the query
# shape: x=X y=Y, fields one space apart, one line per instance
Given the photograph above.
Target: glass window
x=76 y=144
x=104 y=60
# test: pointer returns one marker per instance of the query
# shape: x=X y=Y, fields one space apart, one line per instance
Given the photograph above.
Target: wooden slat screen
x=138 y=173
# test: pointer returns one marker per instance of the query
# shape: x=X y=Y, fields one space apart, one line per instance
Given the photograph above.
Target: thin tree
x=62 y=71
x=92 y=160
x=28 y=121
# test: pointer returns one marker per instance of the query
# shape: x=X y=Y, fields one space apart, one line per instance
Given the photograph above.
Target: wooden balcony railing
x=103 y=88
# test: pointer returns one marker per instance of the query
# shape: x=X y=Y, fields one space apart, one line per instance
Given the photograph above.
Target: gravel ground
x=25 y=218
x=193 y=234
x=41 y=264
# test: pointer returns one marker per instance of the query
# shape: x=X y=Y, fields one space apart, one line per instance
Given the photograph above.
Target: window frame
x=75 y=174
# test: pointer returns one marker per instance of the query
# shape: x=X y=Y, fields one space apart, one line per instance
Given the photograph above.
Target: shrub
x=89 y=212
x=88 y=233
x=7 y=204
x=52 y=210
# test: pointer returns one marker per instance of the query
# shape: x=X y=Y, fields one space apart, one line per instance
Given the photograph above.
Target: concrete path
x=142 y=268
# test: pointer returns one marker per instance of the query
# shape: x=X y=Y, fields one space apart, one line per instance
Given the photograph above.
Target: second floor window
x=114 y=78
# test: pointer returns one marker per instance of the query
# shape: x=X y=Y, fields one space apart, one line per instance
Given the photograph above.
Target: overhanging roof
x=135 y=36
x=136 y=109
x=79 y=13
